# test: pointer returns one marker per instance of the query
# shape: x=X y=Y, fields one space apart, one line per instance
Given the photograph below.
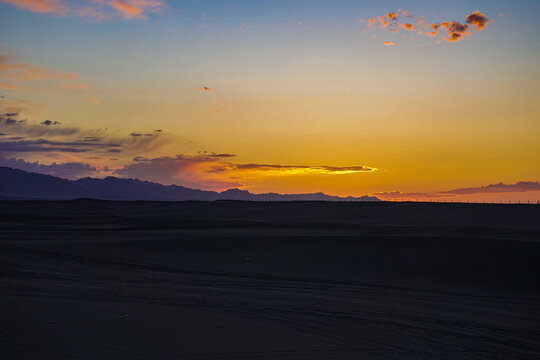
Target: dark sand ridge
x=301 y=280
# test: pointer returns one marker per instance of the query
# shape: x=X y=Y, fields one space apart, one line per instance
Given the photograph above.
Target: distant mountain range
x=19 y=184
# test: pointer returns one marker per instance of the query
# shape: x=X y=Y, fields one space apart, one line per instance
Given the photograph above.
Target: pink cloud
x=24 y=76
x=96 y=10
x=134 y=9
x=17 y=71
x=57 y=7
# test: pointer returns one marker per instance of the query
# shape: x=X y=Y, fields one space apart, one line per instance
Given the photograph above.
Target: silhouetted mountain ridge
x=15 y=183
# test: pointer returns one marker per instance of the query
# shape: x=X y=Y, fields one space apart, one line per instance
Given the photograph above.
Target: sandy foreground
x=242 y=280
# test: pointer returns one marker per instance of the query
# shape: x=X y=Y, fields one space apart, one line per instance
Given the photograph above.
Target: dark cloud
x=17 y=126
x=46 y=136
x=139 y=159
x=11 y=121
x=136 y=134
x=456 y=31
x=215 y=155
x=36 y=146
x=92 y=138
x=522 y=186
x=221 y=155
x=51 y=136
x=478 y=20
x=50 y=122
x=17 y=145
x=69 y=170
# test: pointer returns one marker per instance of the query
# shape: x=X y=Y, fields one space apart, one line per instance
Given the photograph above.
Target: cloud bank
x=522 y=186
x=212 y=171
x=68 y=170
x=519 y=187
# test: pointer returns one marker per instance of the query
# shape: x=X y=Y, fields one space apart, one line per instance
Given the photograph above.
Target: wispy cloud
x=96 y=10
x=126 y=9
x=23 y=76
x=15 y=106
x=292 y=169
x=43 y=145
x=57 y=7
x=12 y=124
x=398 y=195
x=18 y=71
x=21 y=135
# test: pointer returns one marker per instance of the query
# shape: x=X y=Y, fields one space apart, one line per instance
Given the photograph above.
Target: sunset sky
x=398 y=99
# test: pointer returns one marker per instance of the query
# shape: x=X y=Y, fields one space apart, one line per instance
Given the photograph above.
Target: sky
x=399 y=99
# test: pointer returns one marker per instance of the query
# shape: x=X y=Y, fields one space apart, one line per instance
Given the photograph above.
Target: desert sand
x=89 y=279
